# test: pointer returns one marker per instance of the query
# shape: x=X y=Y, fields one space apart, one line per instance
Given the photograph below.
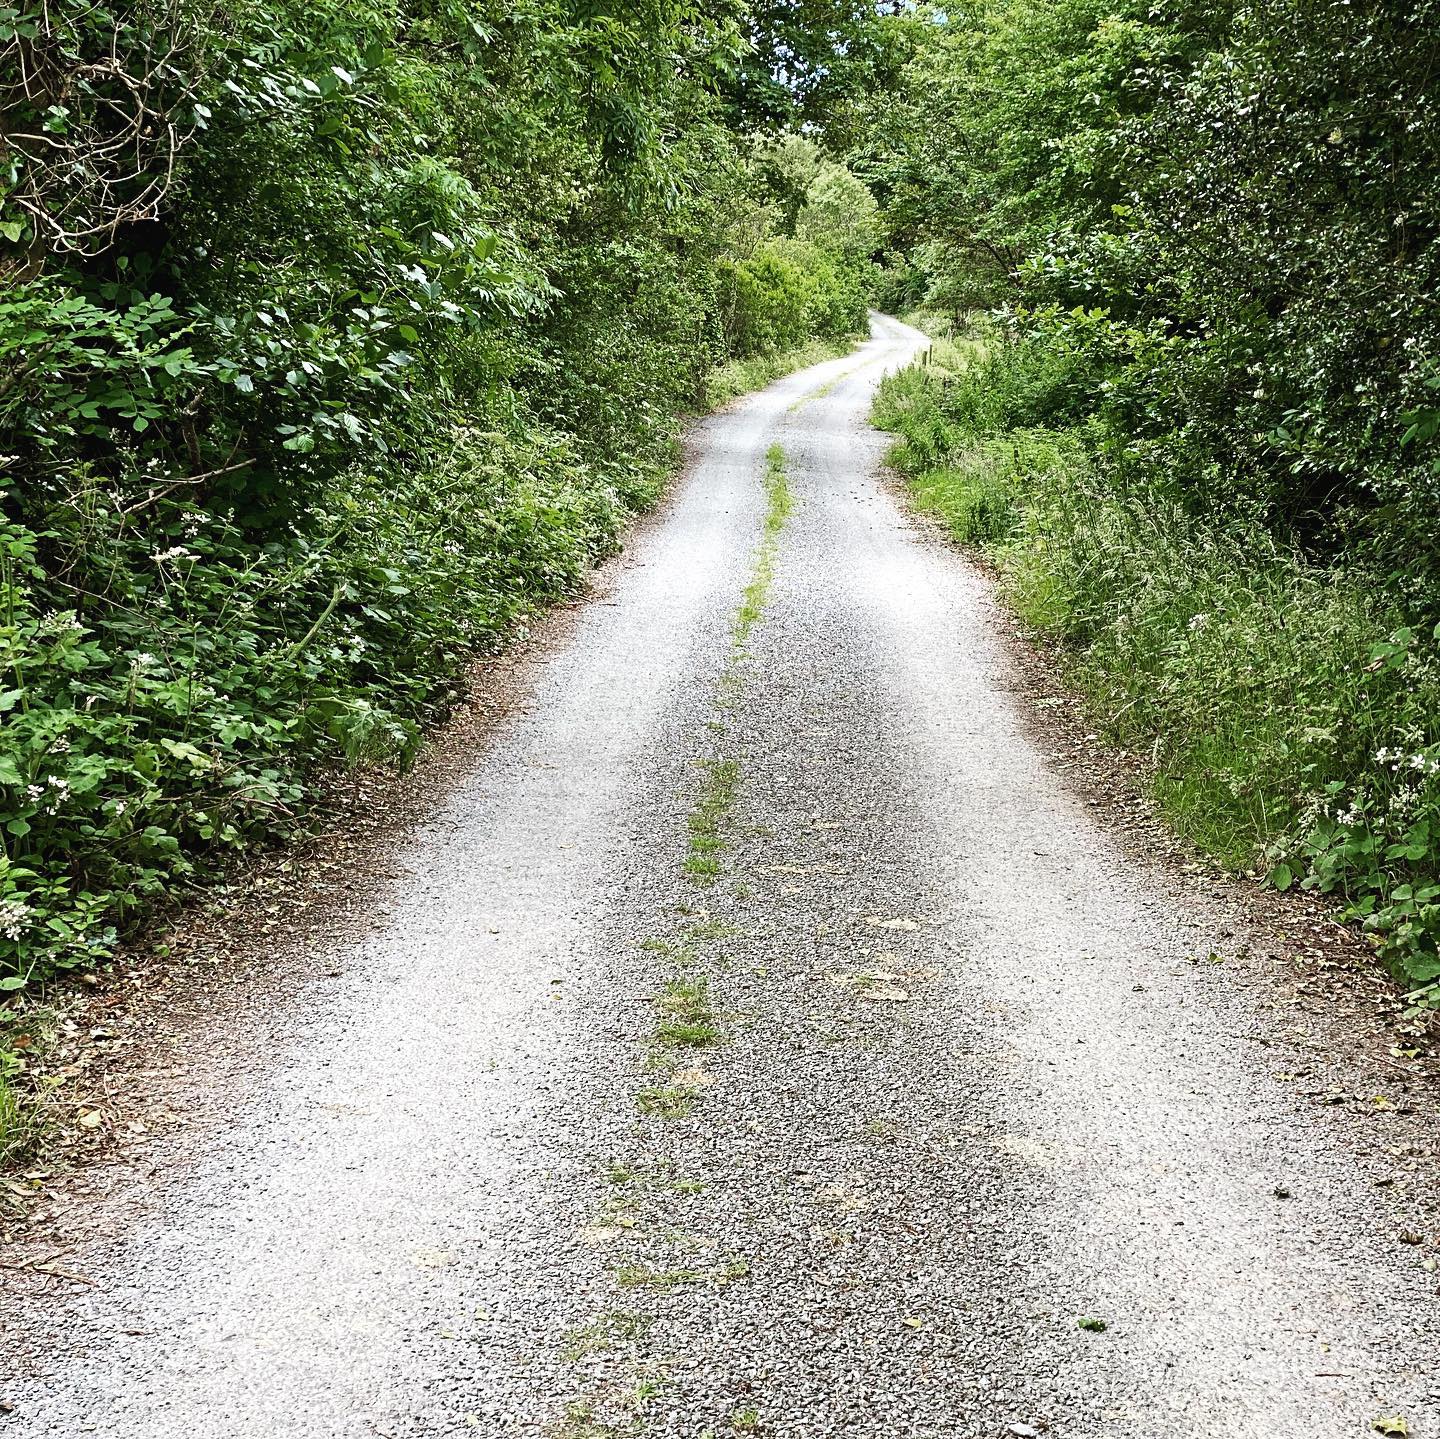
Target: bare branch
x=94 y=112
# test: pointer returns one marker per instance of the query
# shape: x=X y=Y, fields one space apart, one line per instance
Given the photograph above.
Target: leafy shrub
x=810 y=271
x=766 y=303
x=178 y=706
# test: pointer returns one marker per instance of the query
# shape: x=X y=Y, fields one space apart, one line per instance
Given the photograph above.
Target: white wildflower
x=13 y=917
x=57 y=622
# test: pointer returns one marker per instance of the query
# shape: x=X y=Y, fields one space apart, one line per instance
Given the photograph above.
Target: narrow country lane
x=762 y=1040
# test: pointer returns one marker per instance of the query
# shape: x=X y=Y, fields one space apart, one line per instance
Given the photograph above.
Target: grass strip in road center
x=687 y=1028
x=778 y=504
x=702 y=858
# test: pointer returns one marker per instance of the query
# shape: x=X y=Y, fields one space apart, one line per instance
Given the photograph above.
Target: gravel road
x=932 y=1113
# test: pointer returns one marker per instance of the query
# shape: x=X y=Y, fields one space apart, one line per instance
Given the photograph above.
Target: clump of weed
x=638 y=1276
x=666 y=1101
x=710 y=929
x=722 y=780
x=609 y=1331
x=686 y=1016
x=643 y=1276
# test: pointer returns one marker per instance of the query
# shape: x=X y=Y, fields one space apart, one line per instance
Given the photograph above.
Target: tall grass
x=1291 y=709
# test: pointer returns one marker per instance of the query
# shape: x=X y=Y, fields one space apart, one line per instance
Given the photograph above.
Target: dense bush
x=808 y=269
x=1230 y=210
x=333 y=340
x=180 y=701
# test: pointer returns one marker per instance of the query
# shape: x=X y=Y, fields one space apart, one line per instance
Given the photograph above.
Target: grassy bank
x=1291 y=709
x=739 y=377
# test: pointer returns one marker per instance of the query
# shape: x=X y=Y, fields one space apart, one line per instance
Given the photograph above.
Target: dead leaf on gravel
x=52 y=1267
x=875 y=922
x=879 y=993
x=844 y=1200
x=1391 y=1424
x=1037 y=1152
x=433 y=1258
x=602 y=1233
x=876 y=985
